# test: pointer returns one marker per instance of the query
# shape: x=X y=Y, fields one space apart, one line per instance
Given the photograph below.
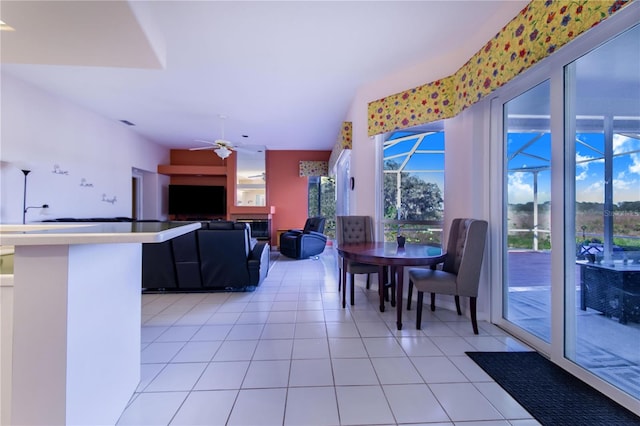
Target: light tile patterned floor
x=288 y=354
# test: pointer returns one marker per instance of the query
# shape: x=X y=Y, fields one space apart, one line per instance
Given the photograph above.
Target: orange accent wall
x=286 y=190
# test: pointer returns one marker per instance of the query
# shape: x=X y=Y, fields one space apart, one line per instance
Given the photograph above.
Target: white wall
x=42 y=132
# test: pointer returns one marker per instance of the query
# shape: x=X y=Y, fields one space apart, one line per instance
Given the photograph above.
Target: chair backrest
x=315 y=224
x=354 y=229
x=465 y=250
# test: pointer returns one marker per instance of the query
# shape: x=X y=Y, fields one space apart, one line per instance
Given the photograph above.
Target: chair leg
x=419 y=310
x=352 y=287
x=458 y=304
x=368 y=280
x=433 y=302
x=409 y=295
x=472 y=308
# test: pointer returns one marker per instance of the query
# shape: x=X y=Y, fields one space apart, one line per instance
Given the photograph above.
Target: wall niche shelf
x=192 y=170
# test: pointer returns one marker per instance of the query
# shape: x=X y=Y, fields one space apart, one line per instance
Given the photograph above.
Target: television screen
x=196 y=200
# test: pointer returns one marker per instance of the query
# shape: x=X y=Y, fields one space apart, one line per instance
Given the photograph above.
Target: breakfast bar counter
x=76 y=318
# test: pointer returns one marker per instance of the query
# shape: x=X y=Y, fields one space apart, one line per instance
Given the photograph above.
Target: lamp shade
x=223 y=152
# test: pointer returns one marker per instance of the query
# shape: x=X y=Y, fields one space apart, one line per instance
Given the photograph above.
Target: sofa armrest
x=258 y=263
x=316 y=234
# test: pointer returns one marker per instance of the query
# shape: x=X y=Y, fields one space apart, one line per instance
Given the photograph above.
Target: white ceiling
x=284 y=73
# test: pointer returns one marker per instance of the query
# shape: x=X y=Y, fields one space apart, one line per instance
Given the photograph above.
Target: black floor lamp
x=24 y=199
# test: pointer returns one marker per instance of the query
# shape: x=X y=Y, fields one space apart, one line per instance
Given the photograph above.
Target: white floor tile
x=452 y=346
x=151 y=333
x=414 y=403
x=222 y=375
x=463 y=402
x=311 y=406
x=383 y=347
x=253 y=317
x=347 y=348
x=311 y=372
x=267 y=374
x=205 y=408
x=148 y=372
x=419 y=346
x=212 y=332
x=273 y=349
x=223 y=318
x=176 y=377
x=256 y=407
x=354 y=371
x=245 y=332
x=438 y=369
x=501 y=399
x=278 y=331
x=373 y=329
x=470 y=369
x=282 y=317
x=161 y=352
x=363 y=405
x=393 y=371
x=342 y=329
x=310 y=330
x=178 y=333
x=197 y=351
x=152 y=409
x=310 y=348
x=236 y=350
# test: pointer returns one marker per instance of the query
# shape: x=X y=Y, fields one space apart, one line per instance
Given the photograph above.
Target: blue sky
x=589 y=168
x=589 y=165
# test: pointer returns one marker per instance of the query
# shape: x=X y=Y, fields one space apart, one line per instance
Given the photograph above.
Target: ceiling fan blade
x=202 y=148
x=209 y=142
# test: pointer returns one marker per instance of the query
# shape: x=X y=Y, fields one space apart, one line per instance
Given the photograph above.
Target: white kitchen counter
x=76 y=318
x=93 y=232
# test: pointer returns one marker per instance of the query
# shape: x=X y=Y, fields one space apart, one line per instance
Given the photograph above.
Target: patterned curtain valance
x=540 y=29
x=314 y=168
x=344 y=141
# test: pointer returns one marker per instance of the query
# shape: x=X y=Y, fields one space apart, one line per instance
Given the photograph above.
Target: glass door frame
x=562 y=189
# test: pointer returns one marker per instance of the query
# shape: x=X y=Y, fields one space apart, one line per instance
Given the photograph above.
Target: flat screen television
x=197 y=200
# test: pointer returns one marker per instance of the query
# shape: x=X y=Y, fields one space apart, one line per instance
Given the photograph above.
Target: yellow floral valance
x=314 y=168
x=344 y=141
x=540 y=29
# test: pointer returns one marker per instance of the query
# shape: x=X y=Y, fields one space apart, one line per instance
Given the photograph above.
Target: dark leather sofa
x=221 y=256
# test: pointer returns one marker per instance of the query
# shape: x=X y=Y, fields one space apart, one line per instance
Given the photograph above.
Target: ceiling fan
x=262 y=176
x=222 y=147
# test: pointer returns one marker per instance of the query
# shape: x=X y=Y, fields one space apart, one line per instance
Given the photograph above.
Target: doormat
x=549 y=393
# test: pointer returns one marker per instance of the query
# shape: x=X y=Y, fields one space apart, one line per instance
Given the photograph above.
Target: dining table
x=390 y=255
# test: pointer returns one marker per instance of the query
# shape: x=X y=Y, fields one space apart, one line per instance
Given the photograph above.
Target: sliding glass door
x=527 y=208
x=602 y=124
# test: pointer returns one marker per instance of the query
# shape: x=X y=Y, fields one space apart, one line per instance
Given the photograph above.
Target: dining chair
x=349 y=230
x=460 y=273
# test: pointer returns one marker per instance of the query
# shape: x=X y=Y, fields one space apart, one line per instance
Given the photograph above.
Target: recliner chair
x=301 y=244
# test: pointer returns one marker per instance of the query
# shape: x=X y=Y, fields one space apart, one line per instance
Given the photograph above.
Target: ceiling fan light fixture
x=223 y=152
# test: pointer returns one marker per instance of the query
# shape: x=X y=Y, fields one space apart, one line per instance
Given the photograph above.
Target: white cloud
x=519 y=191
x=635 y=166
x=584 y=174
x=620 y=184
